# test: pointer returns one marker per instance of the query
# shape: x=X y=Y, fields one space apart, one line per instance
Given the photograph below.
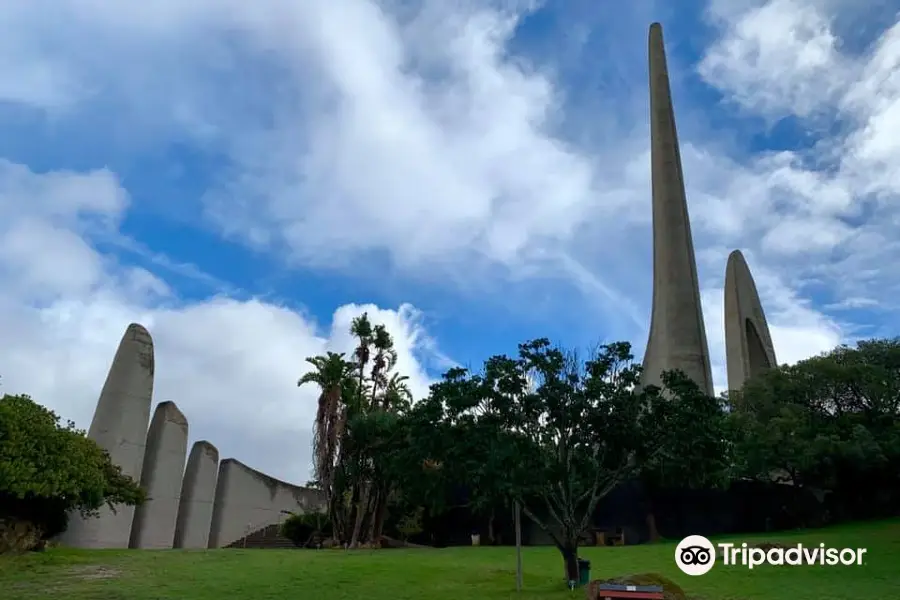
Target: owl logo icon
x=695 y=555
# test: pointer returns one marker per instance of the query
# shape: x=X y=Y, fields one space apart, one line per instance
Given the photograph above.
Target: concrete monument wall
x=677 y=337
x=247 y=500
x=120 y=427
x=204 y=505
x=154 y=521
x=748 y=344
x=198 y=491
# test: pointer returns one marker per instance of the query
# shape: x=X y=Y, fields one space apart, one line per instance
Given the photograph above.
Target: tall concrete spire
x=677 y=335
x=119 y=427
x=748 y=345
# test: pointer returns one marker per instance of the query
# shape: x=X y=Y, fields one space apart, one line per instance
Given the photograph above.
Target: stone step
x=266 y=537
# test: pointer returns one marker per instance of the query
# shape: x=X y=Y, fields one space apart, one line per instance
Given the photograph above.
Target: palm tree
x=396 y=394
x=384 y=360
x=351 y=389
x=395 y=397
x=361 y=329
x=330 y=373
x=375 y=345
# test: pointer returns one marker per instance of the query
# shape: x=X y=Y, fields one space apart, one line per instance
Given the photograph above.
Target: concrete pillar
x=154 y=521
x=748 y=345
x=198 y=491
x=120 y=427
x=677 y=337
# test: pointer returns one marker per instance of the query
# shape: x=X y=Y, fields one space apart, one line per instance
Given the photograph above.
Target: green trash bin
x=584 y=572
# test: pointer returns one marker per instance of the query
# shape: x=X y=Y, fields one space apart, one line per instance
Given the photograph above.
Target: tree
x=830 y=423
x=545 y=429
x=471 y=444
x=580 y=424
x=376 y=345
x=413 y=456
x=395 y=399
x=331 y=373
x=47 y=470
x=557 y=433
x=396 y=395
x=690 y=445
x=353 y=426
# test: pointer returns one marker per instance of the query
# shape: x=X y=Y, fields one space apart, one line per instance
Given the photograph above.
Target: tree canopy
x=553 y=432
x=48 y=469
x=556 y=432
x=830 y=423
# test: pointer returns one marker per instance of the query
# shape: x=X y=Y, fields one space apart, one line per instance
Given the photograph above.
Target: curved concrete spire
x=119 y=426
x=677 y=334
x=748 y=345
x=198 y=490
x=154 y=521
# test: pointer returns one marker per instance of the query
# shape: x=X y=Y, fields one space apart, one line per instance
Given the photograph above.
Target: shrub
x=302 y=528
x=48 y=470
x=411 y=524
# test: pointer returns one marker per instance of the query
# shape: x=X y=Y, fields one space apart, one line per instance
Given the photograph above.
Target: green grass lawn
x=451 y=574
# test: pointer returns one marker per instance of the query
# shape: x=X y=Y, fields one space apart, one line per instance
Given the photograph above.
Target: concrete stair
x=268 y=537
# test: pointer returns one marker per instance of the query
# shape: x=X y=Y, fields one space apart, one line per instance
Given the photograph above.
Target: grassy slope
x=455 y=573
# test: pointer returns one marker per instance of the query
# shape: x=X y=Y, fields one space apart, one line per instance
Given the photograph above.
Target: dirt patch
x=91 y=572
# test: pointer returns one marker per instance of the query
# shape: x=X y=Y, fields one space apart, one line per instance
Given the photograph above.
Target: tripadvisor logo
x=696 y=555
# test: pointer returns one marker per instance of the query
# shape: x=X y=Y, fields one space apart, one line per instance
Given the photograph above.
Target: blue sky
x=244 y=178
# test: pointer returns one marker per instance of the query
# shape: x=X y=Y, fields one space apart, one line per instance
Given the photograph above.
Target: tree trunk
x=651 y=526
x=377 y=500
x=491 y=539
x=650 y=513
x=339 y=514
x=351 y=508
x=334 y=513
x=361 y=507
x=569 y=553
x=381 y=515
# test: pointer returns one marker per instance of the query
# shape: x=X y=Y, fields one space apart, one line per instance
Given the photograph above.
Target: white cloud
x=230 y=365
x=826 y=211
x=431 y=168
x=354 y=127
x=790 y=38
x=796 y=235
x=360 y=127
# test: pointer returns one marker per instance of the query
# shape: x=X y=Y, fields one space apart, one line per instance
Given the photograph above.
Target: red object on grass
x=630 y=595
x=610 y=591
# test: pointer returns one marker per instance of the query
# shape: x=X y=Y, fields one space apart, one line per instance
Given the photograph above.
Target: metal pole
x=518 y=519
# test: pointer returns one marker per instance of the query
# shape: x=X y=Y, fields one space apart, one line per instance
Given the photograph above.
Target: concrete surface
x=247 y=500
x=748 y=344
x=120 y=427
x=154 y=521
x=677 y=337
x=198 y=490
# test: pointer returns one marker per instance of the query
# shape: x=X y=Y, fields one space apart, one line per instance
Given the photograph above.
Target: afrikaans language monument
x=205 y=504
x=677 y=338
x=211 y=504
x=748 y=344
